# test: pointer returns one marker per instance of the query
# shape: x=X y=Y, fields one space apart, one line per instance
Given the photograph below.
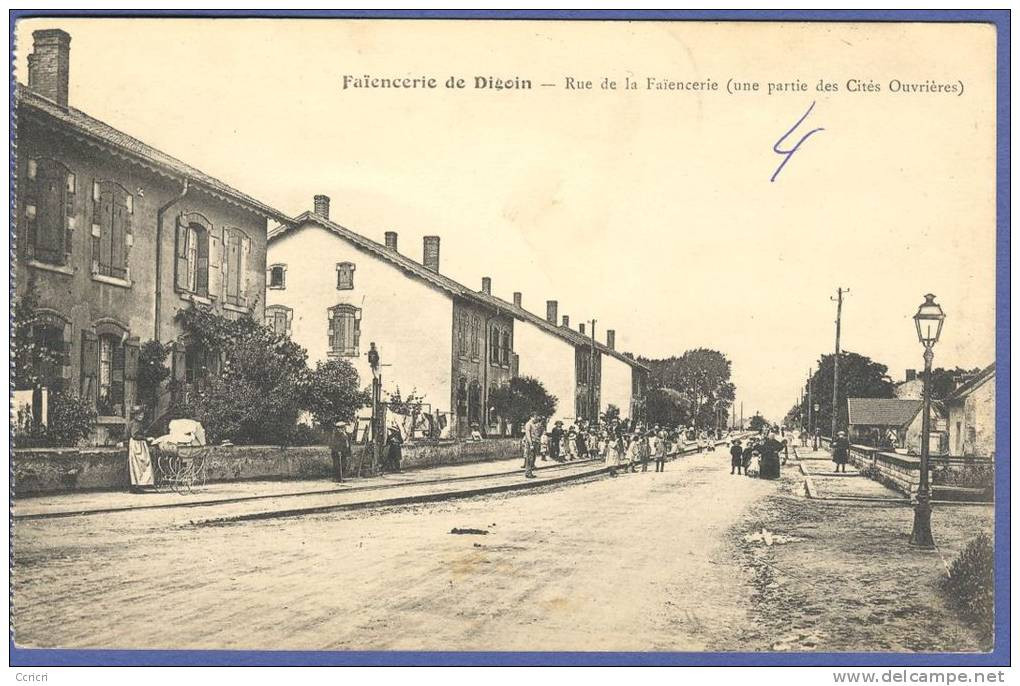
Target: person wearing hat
x=394 y=441
x=139 y=459
x=340 y=449
x=736 y=457
x=841 y=451
x=555 y=438
x=659 y=448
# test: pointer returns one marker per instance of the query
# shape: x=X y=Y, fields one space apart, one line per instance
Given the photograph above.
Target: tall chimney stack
x=430 y=253
x=580 y=327
x=611 y=339
x=550 y=311
x=49 y=64
x=517 y=299
x=391 y=240
x=486 y=285
x=566 y=321
x=321 y=206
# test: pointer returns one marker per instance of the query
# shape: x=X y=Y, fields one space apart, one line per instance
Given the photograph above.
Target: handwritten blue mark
x=787 y=154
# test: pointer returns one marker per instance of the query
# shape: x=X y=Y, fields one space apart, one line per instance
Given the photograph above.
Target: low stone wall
x=40 y=471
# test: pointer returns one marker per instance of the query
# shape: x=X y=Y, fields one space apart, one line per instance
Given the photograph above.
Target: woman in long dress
x=139 y=458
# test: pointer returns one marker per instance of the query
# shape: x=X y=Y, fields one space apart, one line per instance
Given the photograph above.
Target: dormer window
x=344 y=276
x=277 y=276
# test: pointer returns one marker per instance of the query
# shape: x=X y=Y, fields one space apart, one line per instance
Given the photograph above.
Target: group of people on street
x=621 y=444
x=760 y=456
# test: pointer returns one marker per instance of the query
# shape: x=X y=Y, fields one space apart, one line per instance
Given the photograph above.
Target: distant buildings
x=971 y=416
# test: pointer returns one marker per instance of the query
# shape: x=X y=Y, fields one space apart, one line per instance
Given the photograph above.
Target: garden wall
x=64 y=470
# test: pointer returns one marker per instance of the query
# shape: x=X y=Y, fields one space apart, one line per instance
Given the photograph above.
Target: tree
x=152 y=372
x=611 y=414
x=331 y=393
x=701 y=377
x=259 y=391
x=757 y=423
x=859 y=377
x=520 y=399
x=945 y=381
x=407 y=405
x=29 y=357
x=667 y=407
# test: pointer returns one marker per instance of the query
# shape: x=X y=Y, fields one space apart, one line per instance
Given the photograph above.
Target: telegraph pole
x=592 y=401
x=835 y=361
x=810 y=406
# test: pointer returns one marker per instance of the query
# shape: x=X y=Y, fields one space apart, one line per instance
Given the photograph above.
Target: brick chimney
x=321 y=206
x=430 y=253
x=566 y=321
x=517 y=299
x=580 y=327
x=486 y=285
x=611 y=339
x=49 y=64
x=551 y=307
x=391 y=240
x=911 y=374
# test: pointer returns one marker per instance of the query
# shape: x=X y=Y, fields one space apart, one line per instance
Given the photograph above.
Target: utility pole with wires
x=835 y=360
x=593 y=402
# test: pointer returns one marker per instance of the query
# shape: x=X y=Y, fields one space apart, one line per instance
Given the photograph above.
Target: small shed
x=880 y=422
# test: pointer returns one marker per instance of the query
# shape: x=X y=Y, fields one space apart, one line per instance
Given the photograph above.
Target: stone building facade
x=115 y=237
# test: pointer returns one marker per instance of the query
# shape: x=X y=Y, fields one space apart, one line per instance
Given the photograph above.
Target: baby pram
x=182 y=457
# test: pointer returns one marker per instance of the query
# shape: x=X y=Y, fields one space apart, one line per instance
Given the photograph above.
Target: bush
x=970 y=586
x=70 y=419
x=520 y=399
x=331 y=393
x=258 y=394
x=152 y=371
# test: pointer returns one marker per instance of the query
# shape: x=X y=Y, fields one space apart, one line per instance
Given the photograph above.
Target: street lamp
x=929 y=320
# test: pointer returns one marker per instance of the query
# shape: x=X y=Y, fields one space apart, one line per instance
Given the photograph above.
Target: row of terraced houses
x=114 y=238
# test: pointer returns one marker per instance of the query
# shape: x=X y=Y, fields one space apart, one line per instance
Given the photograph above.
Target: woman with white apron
x=139 y=459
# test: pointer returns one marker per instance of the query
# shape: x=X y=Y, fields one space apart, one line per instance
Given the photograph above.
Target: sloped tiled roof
x=972 y=385
x=94 y=131
x=445 y=283
x=882 y=411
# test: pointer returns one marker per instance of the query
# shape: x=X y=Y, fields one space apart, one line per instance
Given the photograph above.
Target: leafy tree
x=611 y=414
x=520 y=399
x=701 y=377
x=152 y=372
x=667 y=407
x=945 y=381
x=259 y=392
x=757 y=423
x=410 y=404
x=30 y=359
x=331 y=393
x=859 y=377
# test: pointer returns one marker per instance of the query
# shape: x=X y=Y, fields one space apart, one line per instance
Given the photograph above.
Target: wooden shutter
x=51 y=212
x=89 y=366
x=202 y=267
x=131 y=350
x=215 y=262
x=117 y=376
x=181 y=251
x=118 y=232
x=231 y=262
x=105 y=229
x=70 y=195
x=329 y=332
x=244 y=282
x=356 y=325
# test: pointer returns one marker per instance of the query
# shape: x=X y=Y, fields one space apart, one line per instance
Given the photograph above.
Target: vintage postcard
x=634 y=336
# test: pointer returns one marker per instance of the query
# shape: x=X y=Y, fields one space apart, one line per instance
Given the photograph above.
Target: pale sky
x=651 y=211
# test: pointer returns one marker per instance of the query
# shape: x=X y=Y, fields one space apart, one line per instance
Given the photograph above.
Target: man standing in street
x=736 y=457
x=841 y=451
x=555 y=436
x=340 y=450
x=533 y=431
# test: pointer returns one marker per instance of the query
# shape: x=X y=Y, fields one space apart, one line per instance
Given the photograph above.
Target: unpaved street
x=641 y=562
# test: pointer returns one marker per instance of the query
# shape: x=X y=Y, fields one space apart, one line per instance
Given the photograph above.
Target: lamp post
x=929 y=320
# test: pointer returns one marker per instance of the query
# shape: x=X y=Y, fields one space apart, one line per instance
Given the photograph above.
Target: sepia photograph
x=604 y=338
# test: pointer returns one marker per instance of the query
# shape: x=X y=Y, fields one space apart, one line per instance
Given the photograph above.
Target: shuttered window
x=505 y=348
x=52 y=351
x=344 y=276
x=49 y=210
x=344 y=330
x=278 y=318
x=236 y=252
x=494 y=346
x=197 y=267
x=112 y=209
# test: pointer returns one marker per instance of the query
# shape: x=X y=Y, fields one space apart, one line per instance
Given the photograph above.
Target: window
x=278 y=319
x=344 y=276
x=49 y=210
x=112 y=208
x=237 y=249
x=278 y=276
x=344 y=330
x=505 y=348
x=51 y=356
x=199 y=363
x=111 y=376
x=476 y=334
x=494 y=345
x=197 y=256
x=462 y=336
